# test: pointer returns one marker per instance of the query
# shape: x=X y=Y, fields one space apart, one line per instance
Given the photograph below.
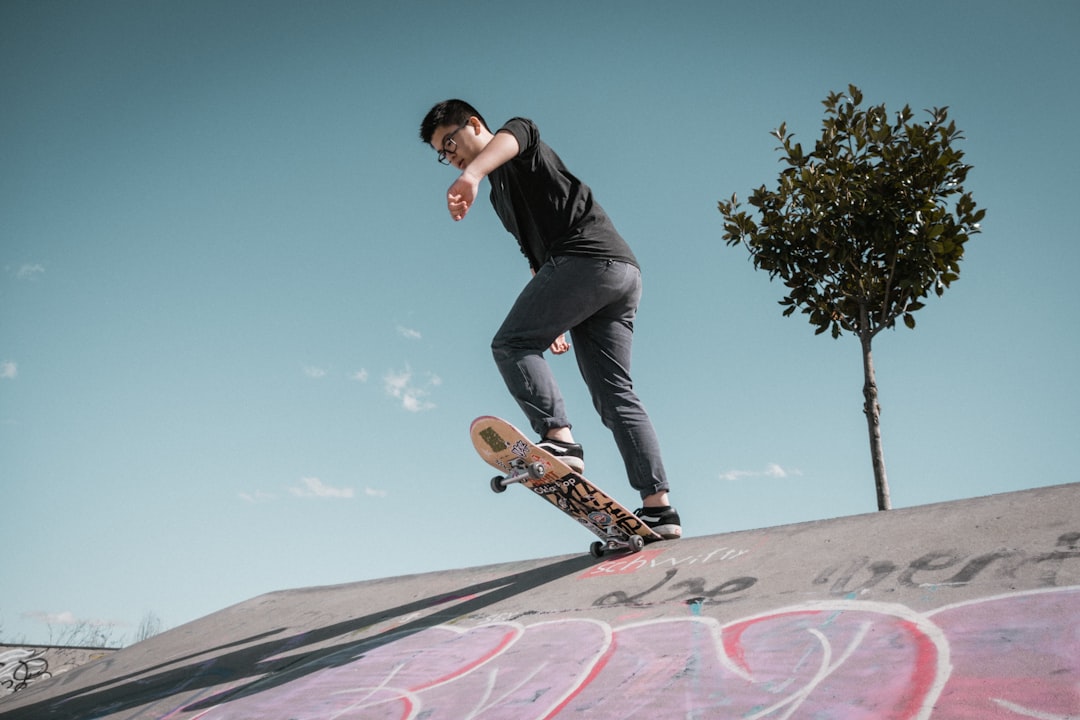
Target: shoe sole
x=574 y=464
x=668 y=532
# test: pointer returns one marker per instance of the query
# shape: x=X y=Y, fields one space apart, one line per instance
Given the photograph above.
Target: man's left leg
x=603 y=345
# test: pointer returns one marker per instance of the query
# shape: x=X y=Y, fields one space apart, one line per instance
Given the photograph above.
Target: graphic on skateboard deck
x=505 y=448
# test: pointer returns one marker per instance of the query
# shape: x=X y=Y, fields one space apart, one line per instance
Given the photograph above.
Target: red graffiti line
x=732 y=636
x=512 y=635
x=601 y=663
x=923 y=673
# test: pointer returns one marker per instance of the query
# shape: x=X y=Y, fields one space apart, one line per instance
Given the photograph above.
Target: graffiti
x=855 y=577
x=840 y=658
x=22 y=667
x=627 y=564
x=949 y=568
x=692 y=589
x=19 y=667
x=689 y=630
x=1011 y=656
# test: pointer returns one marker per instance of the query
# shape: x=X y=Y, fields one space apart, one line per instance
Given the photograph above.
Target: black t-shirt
x=548 y=210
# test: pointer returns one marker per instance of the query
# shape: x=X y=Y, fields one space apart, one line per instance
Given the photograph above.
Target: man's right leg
x=518 y=349
x=544 y=310
x=549 y=305
x=564 y=293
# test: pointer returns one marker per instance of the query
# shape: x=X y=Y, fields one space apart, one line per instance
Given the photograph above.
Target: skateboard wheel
x=597 y=549
x=537 y=470
x=636 y=543
x=497 y=484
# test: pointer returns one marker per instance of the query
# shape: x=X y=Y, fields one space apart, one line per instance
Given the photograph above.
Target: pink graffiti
x=1027 y=667
x=1014 y=657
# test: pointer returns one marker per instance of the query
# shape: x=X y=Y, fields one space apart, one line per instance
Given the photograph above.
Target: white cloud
x=29 y=272
x=396 y=382
x=309 y=488
x=258 y=496
x=772 y=470
x=400 y=384
x=8 y=370
x=360 y=375
x=409 y=333
x=315 y=373
x=314 y=487
x=61 y=618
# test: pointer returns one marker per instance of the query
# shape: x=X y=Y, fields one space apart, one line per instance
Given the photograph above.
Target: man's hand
x=461 y=195
x=560 y=345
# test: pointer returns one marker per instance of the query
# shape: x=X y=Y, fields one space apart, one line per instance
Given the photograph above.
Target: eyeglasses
x=449 y=145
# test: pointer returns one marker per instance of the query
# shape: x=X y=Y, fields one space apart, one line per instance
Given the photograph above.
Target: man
x=585 y=280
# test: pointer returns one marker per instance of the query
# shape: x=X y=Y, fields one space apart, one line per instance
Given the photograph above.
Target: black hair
x=448 y=112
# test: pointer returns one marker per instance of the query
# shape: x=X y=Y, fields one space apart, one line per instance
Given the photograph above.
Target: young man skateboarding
x=585 y=280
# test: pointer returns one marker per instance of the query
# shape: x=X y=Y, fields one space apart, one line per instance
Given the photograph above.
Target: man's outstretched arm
x=462 y=194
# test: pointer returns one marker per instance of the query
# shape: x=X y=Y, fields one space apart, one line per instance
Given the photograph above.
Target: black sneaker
x=569 y=453
x=664 y=521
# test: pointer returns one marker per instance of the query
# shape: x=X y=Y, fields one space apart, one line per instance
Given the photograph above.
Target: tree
x=862 y=228
x=148 y=627
x=83 y=633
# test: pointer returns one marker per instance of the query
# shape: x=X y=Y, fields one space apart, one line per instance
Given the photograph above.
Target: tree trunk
x=873 y=422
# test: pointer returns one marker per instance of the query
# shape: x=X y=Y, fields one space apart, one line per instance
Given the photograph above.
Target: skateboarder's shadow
x=274 y=660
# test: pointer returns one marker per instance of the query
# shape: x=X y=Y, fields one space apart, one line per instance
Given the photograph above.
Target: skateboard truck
x=520 y=471
x=616 y=542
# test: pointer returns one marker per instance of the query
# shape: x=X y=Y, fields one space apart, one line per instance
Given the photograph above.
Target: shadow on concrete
x=259 y=664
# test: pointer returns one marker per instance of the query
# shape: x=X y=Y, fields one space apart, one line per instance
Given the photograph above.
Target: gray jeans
x=596 y=300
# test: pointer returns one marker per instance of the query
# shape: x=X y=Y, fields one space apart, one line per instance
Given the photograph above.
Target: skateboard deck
x=506 y=448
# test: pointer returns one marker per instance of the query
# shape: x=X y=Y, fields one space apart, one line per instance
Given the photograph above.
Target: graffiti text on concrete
x=841 y=658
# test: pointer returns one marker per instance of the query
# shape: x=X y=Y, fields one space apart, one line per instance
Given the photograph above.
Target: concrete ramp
x=959 y=610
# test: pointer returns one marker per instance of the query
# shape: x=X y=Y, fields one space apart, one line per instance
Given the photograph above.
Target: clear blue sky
x=241 y=341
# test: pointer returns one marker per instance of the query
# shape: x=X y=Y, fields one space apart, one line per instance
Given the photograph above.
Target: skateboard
x=505 y=448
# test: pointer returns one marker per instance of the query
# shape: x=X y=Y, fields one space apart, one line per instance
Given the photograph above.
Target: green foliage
x=864 y=226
